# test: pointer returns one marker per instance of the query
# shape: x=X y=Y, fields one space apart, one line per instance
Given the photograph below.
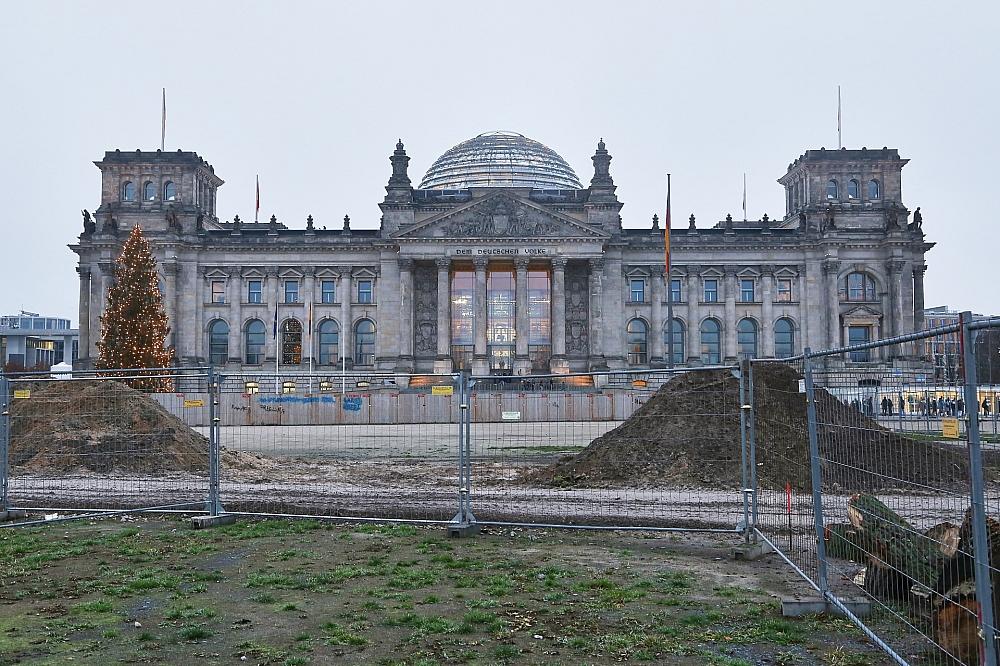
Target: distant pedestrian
x=902 y=405
x=986 y=406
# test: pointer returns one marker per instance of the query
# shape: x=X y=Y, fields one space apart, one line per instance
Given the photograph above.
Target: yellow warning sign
x=949 y=428
x=442 y=390
x=20 y=394
x=194 y=403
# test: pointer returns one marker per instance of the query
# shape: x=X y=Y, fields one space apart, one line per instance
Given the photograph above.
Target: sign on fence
x=510 y=416
x=949 y=428
x=194 y=403
x=442 y=390
x=20 y=394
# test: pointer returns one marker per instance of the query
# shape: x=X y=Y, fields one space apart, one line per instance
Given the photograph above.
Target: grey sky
x=312 y=96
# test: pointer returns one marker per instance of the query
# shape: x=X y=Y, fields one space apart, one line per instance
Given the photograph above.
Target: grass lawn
x=307 y=592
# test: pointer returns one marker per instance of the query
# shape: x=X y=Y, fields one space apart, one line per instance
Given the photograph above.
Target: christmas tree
x=134 y=324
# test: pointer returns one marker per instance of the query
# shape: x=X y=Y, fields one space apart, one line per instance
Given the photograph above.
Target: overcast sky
x=313 y=95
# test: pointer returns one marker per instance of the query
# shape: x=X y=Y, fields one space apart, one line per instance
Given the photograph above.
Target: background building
x=30 y=341
x=501 y=261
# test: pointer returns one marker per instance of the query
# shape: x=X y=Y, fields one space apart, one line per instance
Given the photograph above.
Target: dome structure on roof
x=500 y=159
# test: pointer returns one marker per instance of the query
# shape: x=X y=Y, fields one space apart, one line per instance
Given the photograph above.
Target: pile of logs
x=931 y=572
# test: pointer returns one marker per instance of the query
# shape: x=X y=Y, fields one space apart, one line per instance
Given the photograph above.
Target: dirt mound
x=102 y=426
x=688 y=435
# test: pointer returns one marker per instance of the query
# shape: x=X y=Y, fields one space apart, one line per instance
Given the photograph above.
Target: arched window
x=874 y=189
x=364 y=342
x=858 y=287
x=784 y=338
x=832 y=192
x=128 y=191
x=218 y=342
x=254 y=342
x=329 y=342
x=291 y=342
x=638 y=342
x=854 y=189
x=149 y=191
x=711 y=350
x=746 y=338
x=169 y=191
x=677 y=329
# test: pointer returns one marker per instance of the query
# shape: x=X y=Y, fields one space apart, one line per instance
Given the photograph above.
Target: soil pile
x=688 y=435
x=105 y=426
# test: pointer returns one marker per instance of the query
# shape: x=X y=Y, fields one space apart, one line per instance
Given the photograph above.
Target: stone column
x=480 y=364
x=107 y=277
x=522 y=365
x=96 y=308
x=918 y=296
x=830 y=270
x=730 y=351
x=170 y=302
x=442 y=363
x=346 y=325
x=84 y=352
x=559 y=364
x=597 y=360
x=693 y=323
x=67 y=355
x=235 y=297
x=272 y=348
x=308 y=297
x=406 y=314
x=613 y=311
x=656 y=326
x=767 y=311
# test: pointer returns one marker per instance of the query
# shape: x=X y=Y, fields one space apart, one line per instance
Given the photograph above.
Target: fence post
x=4 y=439
x=752 y=435
x=467 y=380
x=214 y=504
x=744 y=474
x=980 y=540
x=815 y=476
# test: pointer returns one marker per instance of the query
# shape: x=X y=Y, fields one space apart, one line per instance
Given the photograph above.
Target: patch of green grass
x=188 y=611
x=390 y=530
x=411 y=578
x=194 y=632
x=261 y=652
x=335 y=634
x=499 y=585
x=96 y=606
x=506 y=651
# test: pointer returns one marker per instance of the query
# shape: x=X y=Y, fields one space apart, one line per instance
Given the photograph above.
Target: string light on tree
x=134 y=325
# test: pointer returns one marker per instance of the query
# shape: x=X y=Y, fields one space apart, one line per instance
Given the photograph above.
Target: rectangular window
x=746 y=291
x=711 y=291
x=366 y=292
x=675 y=291
x=328 y=291
x=218 y=291
x=255 y=291
x=859 y=335
x=784 y=291
x=291 y=291
x=637 y=291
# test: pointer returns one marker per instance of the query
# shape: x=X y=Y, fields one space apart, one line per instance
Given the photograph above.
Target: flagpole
x=670 y=289
x=277 y=348
x=840 y=140
x=744 y=196
x=256 y=209
x=163 y=123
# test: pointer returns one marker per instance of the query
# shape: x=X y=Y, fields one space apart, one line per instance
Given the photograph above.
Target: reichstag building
x=501 y=261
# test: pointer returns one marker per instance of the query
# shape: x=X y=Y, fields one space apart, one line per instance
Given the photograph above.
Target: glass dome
x=500 y=159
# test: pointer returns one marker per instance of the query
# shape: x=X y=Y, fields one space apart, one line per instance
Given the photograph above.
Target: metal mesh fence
x=543 y=451
x=104 y=443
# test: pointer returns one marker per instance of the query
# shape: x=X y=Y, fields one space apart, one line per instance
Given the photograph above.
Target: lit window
x=637 y=291
x=149 y=191
x=329 y=342
x=288 y=387
x=711 y=291
x=746 y=291
x=255 y=291
x=678 y=340
x=831 y=190
x=291 y=342
x=711 y=353
x=254 y=342
x=675 y=291
x=858 y=287
x=746 y=338
x=784 y=338
x=169 y=191
x=128 y=191
x=784 y=291
x=364 y=342
x=291 y=291
x=326 y=385
x=251 y=388
x=854 y=189
x=365 y=291
x=874 y=189
x=218 y=291
x=637 y=342
x=328 y=291
x=218 y=342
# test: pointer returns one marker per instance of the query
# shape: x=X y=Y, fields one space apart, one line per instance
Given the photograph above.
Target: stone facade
x=846 y=261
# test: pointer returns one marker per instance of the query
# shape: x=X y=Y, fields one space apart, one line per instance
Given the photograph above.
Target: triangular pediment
x=500 y=216
x=862 y=311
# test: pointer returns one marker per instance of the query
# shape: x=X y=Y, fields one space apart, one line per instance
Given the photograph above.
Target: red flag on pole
x=256 y=211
